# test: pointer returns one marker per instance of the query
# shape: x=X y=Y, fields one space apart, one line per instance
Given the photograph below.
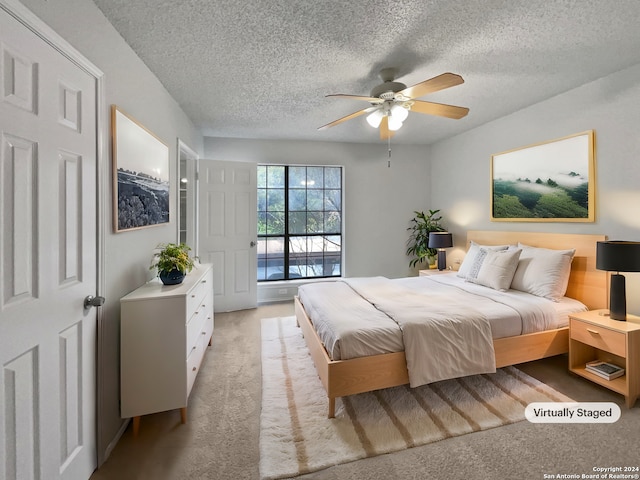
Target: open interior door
x=228 y=231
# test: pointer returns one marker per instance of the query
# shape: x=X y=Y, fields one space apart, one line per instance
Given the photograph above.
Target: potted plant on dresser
x=418 y=244
x=173 y=262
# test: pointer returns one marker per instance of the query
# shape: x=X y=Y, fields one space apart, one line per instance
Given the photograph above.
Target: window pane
x=332 y=200
x=262 y=199
x=261 y=251
x=274 y=261
x=314 y=199
x=274 y=246
x=262 y=176
x=315 y=222
x=275 y=268
x=332 y=222
x=334 y=243
x=275 y=199
x=297 y=200
x=275 y=223
x=275 y=176
x=262 y=223
x=298 y=222
x=297 y=177
x=315 y=177
x=333 y=177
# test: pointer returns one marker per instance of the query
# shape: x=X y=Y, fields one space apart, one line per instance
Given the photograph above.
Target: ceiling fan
x=391 y=102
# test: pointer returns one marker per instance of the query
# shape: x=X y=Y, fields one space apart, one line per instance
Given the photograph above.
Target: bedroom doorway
x=187 y=196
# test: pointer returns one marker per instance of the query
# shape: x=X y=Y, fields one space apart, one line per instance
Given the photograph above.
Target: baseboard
x=102 y=457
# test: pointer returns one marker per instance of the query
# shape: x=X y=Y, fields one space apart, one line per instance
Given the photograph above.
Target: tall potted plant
x=173 y=262
x=418 y=244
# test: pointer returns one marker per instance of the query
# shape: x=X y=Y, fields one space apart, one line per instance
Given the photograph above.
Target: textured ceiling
x=262 y=68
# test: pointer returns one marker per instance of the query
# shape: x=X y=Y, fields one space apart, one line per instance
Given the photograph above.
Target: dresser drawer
x=197 y=295
x=193 y=363
x=599 y=337
x=196 y=323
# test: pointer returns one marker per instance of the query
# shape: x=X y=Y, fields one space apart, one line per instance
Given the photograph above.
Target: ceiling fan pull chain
x=389 y=146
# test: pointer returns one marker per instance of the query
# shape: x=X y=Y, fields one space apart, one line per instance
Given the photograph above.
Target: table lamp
x=618 y=256
x=440 y=241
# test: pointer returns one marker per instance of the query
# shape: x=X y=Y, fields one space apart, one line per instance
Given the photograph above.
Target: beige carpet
x=296 y=437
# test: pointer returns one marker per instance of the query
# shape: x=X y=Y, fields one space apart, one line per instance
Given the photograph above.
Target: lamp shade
x=440 y=240
x=375 y=117
x=394 y=123
x=618 y=256
x=399 y=112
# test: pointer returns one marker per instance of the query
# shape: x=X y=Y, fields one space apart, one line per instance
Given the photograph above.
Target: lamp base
x=442 y=259
x=617 y=298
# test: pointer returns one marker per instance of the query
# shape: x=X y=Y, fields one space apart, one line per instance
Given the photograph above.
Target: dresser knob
x=194 y=369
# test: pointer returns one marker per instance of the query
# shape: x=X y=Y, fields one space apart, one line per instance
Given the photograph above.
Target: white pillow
x=543 y=272
x=498 y=268
x=470 y=257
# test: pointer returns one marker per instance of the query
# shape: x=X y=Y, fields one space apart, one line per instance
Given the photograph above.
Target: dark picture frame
x=552 y=181
x=141 y=183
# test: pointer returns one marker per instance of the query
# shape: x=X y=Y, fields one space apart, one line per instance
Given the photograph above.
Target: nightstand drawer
x=599 y=337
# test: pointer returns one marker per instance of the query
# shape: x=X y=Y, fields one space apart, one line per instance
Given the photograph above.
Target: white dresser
x=164 y=333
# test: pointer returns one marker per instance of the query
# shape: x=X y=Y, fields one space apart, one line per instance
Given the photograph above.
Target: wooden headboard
x=585 y=283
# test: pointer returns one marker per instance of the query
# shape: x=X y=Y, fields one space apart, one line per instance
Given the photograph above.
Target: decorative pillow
x=497 y=268
x=470 y=257
x=543 y=272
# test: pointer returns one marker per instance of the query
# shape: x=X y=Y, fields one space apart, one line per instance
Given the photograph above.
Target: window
x=299 y=222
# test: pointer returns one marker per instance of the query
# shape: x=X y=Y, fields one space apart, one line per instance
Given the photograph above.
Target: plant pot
x=432 y=262
x=174 y=277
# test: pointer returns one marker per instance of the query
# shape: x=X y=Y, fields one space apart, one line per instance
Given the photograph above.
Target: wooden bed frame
x=364 y=374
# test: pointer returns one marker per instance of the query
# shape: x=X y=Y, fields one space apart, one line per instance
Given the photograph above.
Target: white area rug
x=296 y=437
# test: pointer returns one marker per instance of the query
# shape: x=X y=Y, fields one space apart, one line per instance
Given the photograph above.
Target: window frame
x=287 y=236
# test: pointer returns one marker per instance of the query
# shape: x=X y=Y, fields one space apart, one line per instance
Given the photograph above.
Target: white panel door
x=228 y=231
x=48 y=260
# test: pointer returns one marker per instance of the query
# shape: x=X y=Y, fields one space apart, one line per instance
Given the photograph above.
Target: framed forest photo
x=552 y=181
x=140 y=175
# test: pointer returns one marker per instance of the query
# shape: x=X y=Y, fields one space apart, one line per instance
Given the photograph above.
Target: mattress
x=350 y=327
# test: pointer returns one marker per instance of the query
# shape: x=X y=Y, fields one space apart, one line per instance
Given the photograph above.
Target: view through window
x=299 y=222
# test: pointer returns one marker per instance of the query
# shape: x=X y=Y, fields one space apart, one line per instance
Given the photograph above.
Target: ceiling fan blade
x=385 y=133
x=348 y=117
x=439 y=109
x=434 y=84
x=357 y=97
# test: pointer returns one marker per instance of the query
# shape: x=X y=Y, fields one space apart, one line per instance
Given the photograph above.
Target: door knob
x=91 y=301
x=252 y=244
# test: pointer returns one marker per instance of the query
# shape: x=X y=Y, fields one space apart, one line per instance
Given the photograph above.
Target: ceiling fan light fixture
x=375 y=117
x=394 y=123
x=399 y=112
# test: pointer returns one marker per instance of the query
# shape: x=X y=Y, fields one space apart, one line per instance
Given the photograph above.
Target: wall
x=379 y=200
x=130 y=85
x=606 y=106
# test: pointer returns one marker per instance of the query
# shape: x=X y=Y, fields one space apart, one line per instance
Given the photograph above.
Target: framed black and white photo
x=552 y=181
x=140 y=175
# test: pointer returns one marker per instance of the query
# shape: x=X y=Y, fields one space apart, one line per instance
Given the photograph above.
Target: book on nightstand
x=606 y=370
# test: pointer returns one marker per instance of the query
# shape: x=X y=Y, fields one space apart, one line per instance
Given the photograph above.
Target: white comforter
x=442 y=338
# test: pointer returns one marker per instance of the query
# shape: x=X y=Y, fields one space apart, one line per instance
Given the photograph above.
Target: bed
x=369 y=372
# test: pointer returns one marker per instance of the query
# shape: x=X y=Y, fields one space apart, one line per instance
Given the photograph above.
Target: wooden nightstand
x=433 y=271
x=594 y=336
